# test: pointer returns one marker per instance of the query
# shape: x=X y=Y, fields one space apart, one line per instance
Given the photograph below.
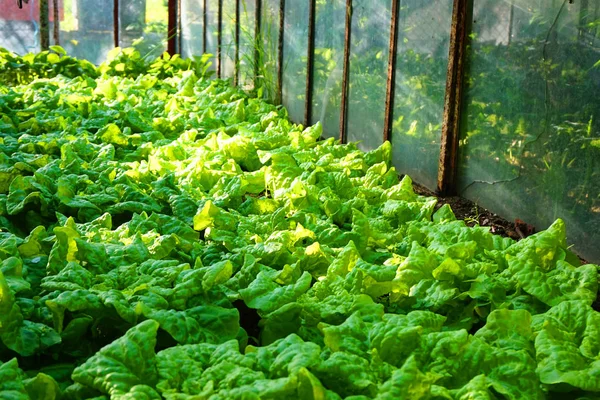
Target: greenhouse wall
x=515 y=127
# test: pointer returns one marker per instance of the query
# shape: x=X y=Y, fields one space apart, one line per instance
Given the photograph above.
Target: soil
x=474 y=214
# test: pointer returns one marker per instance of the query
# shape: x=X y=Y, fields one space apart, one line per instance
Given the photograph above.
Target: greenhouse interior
x=299 y=199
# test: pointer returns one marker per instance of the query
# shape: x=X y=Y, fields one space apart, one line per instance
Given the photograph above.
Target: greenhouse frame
x=311 y=199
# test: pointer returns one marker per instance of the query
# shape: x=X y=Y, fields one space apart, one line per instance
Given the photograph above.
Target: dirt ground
x=473 y=214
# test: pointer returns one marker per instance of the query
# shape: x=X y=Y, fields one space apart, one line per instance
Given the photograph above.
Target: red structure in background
x=9 y=11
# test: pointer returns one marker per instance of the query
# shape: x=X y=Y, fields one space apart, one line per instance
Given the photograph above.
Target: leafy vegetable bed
x=167 y=236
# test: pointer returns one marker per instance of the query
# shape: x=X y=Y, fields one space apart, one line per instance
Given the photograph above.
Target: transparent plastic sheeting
x=143 y=25
x=212 y=24
x=369 y=50
x=247 y=41
x=330 y=19
x=191 y=28
x=228 y=39
x=530 y=145
x=421 y=64
x=269 y=50
x=86 y=28
x=19 y=28
x=295 y=48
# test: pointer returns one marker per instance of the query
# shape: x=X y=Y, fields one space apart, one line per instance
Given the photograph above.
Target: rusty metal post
x=44 y=25
x=346 y=73
x=116 y=22
x=56 y=17
x=391 y=75
x=204 y=28
x=310 y=62
x=279 y=95
x=448 y=163
x=172 y=27
x=219 y=37
x=236 y=66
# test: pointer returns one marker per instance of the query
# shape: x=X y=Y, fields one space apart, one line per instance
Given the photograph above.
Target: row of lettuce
x=164 y=235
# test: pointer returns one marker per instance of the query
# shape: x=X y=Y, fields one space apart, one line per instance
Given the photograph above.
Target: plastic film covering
x=191 y=28
x=329 y=64
x=228 y=39
x=369 y=50
x=295 y=48
x=420 y=84
x=269 y=29
x=247 y=42
x=212 y=25
x=85 y=27
x=530 y=144
x=143 y=25
x=20 y=28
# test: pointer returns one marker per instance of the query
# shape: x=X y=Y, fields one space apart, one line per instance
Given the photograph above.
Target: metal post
x=116 y=22
x=344 y=100
x=204 y=28
x=236 y=66
x=452 y=104
x=310 y=62
x=44 y=25
x=219 y=37
x=56 y=17
x=172 y=27
x=279 y=96
x=391 y=76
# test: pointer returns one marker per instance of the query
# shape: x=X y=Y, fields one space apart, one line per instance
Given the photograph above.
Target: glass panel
x=191 y=28
x=228 y=38
x=270 y=39
x=330 y=20
x=85 y=28
x=143 y=24
x=531 y=134
x=247 y=28
x=19 y=28
x=295 y=47
x=369 y=51
x=421 y=63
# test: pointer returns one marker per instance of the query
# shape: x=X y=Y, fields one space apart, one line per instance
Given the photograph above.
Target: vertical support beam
x=44 y=25
x=452 y=104
x=172 y=27
x=391 y=74
x=204 y=28
x=236 y=64
x=257 y=40
x=179 y=29
x=219 y=37
x=279 y=95
x=346 y=73
x=116 y=22
x=56 y=18
x=310 y=63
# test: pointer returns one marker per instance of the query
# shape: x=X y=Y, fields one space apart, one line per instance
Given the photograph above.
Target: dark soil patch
x=474 y=214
